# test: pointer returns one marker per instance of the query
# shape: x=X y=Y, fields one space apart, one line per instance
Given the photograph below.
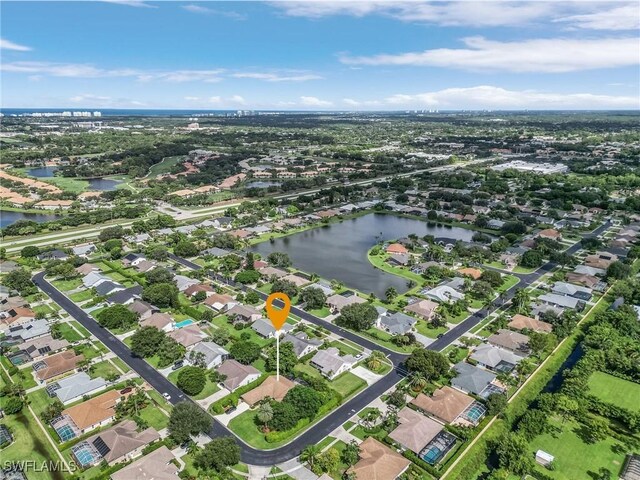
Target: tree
x=496 y=403
x=288 y=359
x=185 y=248
x=284 y=286
x=350 y=453
x=374 y=361
x=265 y=413
x=431 y=364
x=30 y=251
x=230 y=263
x=13 y=405
x=390 y=293
x=252 y=297
x=279 y=259
x=53 y=410
x=492 y=277
x=513 y=454
x=310 y=454
x=329 y=461
x=285 y=416
x=192 y=380
x=618 y=270
x=161 y=295
x=221 y=336
x=313 y=298
x=596 y=429
x=245 y=351
x=533 y=423
x=111 y=232
x=157 y=252
x=219 y=454
x=159 y=275
x=247 y=276
x=358 y=316
x=566 y=406
x=117 y=317
x=521 y=301
x=188 y=419
x=305 y=399
x=531 y=259
x=540 y=343
x=145 y=341
x=20 y=280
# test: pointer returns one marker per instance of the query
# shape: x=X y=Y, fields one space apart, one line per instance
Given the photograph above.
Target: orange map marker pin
x=278 y=317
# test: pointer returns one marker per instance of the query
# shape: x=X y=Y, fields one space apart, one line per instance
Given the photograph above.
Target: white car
x=166 y=396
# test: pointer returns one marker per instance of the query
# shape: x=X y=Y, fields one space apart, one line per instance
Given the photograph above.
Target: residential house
x=57 y=364
x=271 y=272
x=27 y=331
x=87 y=268
x=243 y=313
x=514 y=341
x=106 y=288
x=144 y=266
x=424 y=309
x=52 y=255
x=302 y=344
x=550 y=234
x=494 y=358
x=414 y=431
x=397 y=248
x=474 y=380
x=94 y=413
x=160 y=464
x=265 y=329
x=378 y=462
x=132 y=259
x=396 y=323
x=237 y=375
x=331 y=364
x=600 y=260
x=42 y=346
x=575 y=291
x=337 y=302
x=161 y=321
x=83 y=250
x=560 y=301
x=270 y=388
x=584 y=280
x=593 y=271
x=210 y=353
x=220 y=302
x=522 y=322
x=141 y=308
x=199 y=287
x=16 y=316
x=119 y=443
x=183 y=282
x=473 y=273
x=444 y=294
x=298 y=280
x=216 y=252
x=74 y=387
x=188 y=336
x=447 y=405
x=399 y=259
x=93 y=279
x=125 y=296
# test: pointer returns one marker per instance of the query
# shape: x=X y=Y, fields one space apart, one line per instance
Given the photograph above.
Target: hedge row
x=233 y=398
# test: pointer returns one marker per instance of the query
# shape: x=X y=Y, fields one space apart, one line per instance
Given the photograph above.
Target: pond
x=101 y=184
x=339 y=251
x=8 y=218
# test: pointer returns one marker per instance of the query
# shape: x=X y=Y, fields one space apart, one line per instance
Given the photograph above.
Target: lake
x=339 y=251
x=8 y=218
x=101 y=184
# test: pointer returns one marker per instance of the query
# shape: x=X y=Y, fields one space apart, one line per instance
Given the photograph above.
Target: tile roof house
x=273 y=272
x=302 y=344
x=95 y=412
x=396 y=323
x=212 y=353
x=473 y=273
x=550 y=233
x=494 y=358
x=220 y=302
x=243 y=313
x=142 y=309
x=17 y=316
x=157 y=465
x=188 y=336
x=396 y=248
x=199 y=287
x=270 y=388
x=471 y=379
x=162 y=321
x=57 y=364
x=87 y=268
x=415 y=430
x=122 y=441
x=297 y=280
x=339 y=301
x=378 y=462
x=144 y=266
x=44 y=345
x=446 y=404
x=522 y=322
x=330 y=363
x=238 y=375
x=265 y=329
x=74 y=387
x=423 y=309
x=514 y=341
x=588 y=281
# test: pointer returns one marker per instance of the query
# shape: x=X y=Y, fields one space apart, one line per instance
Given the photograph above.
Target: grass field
x=575 y=459
x=103 y=369
x=164 y=166
x=68 y=333
x=209 y=389
x=80 y=328
x=154 y=417
x=66 y=285
x=347 y=384
x=81 y=296
x=614 y=390
x=68 y=184
x=344 y=348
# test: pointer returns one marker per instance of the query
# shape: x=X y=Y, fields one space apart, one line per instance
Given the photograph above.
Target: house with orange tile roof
x=396 y=248
x=473 y=273
x=378 y=462
x=57 y=364
x=95 y=412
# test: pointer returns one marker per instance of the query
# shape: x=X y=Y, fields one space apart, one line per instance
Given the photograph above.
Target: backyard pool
x=184 y=323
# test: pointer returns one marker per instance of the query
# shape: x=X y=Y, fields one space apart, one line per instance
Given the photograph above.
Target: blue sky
x=301 y=55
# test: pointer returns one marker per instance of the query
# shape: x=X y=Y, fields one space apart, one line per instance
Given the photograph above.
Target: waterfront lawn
x=574 y=458
x=614 y=390
x=380 y=261
x=29 y=443
x=347 y=384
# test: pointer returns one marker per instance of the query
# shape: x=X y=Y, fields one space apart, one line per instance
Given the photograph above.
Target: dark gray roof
x=105 y=288
x=123 y=296
x=471 y=379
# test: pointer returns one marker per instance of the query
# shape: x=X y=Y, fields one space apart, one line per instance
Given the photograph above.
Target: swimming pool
x=437 y=448
x=475 y=412
x=184 y=323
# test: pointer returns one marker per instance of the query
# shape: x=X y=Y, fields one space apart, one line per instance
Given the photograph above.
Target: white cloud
x=476 y=13
x=626 y=17
x=131 y=3
x=314 y=102
x=215 y=100
x=192 y=99
x=89 y=97
x=553 y=55
x=496 y=98
x=211 y=11
x=237 y=99
x=274 y=77
x=8 y=45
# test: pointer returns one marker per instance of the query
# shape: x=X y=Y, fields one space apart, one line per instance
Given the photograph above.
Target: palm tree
x=265 y=413
x=310 y=454
x=369 y=420
x=418 y=381
x=521 y=301
x=390 y=293
x=374 y=361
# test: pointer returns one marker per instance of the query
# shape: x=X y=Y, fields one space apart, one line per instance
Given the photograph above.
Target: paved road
x=324 y=427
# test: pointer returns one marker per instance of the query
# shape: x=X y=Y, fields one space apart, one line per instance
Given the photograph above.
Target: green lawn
x=119 y=363
x=245 y=427
x=103 y=369
x=308 y=369
x=164 y=166
x=347 y=384
x=154 y=417
x=575 y=459
x=25 y=377
x=29 y=444
x=81 y=296
x=66 y=285
x=428 y=330
x=68 y=184
x=619 y=392
x=68 y=333
x=509 y=282
x=380 y=261
x=45 y=309
x=320 y=312
x=209 y=389
x=344 y=348
x=39 y=400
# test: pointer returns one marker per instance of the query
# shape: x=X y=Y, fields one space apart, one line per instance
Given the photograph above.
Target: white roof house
x=558 y=300
x=444 y=294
